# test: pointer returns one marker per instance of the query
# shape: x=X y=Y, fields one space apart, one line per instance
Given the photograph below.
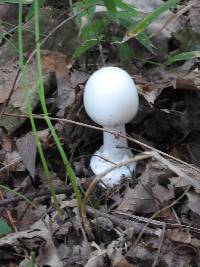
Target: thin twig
x=16 y=160
x=148 y=147
x=121 y=222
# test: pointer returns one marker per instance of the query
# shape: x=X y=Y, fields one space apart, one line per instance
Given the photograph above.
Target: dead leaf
x=194 y=202
x=162 y=193
x=4 y=8
x=114 y=252
x=140 y=199
x=58 y=63
x=103 y=223
x=97 y=259
x=6 y=142
x=27 y=149
x=179 y=182
x=78 y=77
x=48 y=255
x=137 y=200
x=179 y=235
x=32 y=215
x=194 y=16
x=39 y=229
x=12 y=161
x=185 y=237
x=18 y=101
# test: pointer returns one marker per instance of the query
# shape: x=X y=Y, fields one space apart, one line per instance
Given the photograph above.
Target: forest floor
x=150 y=219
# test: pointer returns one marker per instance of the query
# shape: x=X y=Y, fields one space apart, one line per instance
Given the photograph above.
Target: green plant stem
x=29 y=107
x=68 y=167
x=5 y=188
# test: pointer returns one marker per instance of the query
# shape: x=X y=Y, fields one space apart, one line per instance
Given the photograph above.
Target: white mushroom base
x=100 y=163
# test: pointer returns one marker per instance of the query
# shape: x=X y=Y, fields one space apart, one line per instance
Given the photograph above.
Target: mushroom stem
x=115 y=146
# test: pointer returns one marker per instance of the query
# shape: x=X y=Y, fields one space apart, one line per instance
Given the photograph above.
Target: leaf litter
x=160 y=204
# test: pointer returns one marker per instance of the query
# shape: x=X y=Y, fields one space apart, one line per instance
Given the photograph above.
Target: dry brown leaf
x=162 y=193
x=27 y=149
x=4 y=8
x=155 y=80
x=12 y=161
x=179 y=182
x=137 y=200
x=194 y=202
x=39 y=229
x=97 y=260
x=58 y=63
x=179 y=235
x=18 y=102
x=141 y=198
x=194 y=16
x=6 y=142
x=114 y=252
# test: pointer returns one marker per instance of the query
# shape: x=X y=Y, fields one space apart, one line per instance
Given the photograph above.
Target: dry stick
x=148 y=147
x=120 y=221
x=93 y=184
x=16 y=160
x=157 y=223
x=161 y=239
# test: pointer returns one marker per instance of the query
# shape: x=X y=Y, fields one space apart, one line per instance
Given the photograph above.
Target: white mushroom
x=111 y=100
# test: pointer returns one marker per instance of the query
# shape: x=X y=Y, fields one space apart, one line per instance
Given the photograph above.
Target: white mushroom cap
x=110 y=97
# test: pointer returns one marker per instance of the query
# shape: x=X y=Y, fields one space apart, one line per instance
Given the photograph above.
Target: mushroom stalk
x=115 y=145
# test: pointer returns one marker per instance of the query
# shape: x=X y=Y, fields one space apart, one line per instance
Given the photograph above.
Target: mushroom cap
x=110 y=97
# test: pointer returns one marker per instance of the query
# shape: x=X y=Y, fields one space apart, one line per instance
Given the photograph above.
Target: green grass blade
x=68 y=167
x=182 y=56
x=31 y=9
x=130 y=9
x=29 y=107
x=87 y=45
x=32 y=260
x=145 y=41
x=5 y=188
x=144 y=23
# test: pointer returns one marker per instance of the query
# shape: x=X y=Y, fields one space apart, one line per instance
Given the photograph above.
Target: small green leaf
x=130 y=9
x=92 y=30
x=124 y=52
x=144 y=23
x=145 y=41
x=84 y=48
x=4 y=227
x=111 y=7
x=182 y=56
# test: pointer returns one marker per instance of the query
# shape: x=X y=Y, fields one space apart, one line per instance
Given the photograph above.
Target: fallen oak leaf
x=27 y=148
x=59 y=63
